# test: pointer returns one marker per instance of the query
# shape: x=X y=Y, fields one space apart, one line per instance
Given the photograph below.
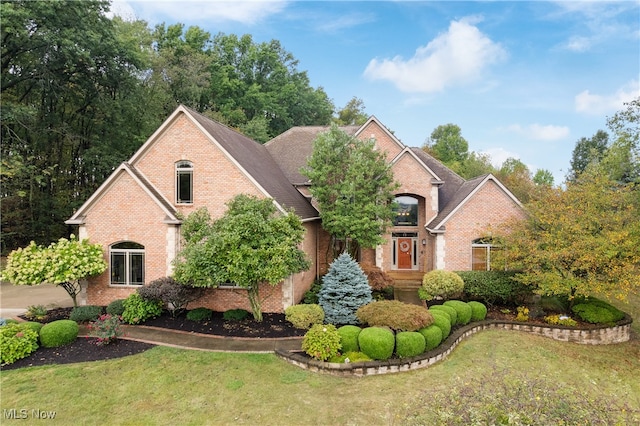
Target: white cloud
x=539 y=132
x=595 y=104
x=122 y=9
x=578 y=44
x=454 y=57
x=245 y=12
x=499 y=155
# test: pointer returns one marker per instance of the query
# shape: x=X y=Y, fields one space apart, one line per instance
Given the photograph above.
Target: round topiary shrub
x=398 y=316
x=304 y=316
x=199 y=314
x=349 y=338
x=33 y=325
x=17 y=341
x=462 y=309
x=439 y=284
x=478 y=311
x=85 y=313
x=442 y=320
x=597 y=311
x=321 y=342
x=377 y=342
x=410 y=343
x=235 y=314
x=115 y=308
x=59 y=333
x=449 y=310
x=432 y=335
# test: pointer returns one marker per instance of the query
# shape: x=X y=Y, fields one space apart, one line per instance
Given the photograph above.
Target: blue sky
x=522 y=79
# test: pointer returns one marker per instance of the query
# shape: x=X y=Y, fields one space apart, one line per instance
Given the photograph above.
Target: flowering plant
x=523 y=314
x=107 y=329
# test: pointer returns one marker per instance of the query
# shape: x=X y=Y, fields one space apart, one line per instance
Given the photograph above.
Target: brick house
x=192 y=161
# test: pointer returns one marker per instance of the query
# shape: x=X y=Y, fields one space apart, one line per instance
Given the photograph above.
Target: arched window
x=406 y=211
x=481 y=250
x=184 y=182
x=126 y=263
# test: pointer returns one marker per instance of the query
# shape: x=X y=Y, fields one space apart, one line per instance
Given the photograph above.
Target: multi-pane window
x=127 y=263
x=406 y=211
x=184 y=182
x=481 y=254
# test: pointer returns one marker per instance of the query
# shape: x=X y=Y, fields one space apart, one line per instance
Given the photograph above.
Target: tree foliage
x=353 y=186
x=250 y=245
x=447 y=144
x=579 y=241
x=352 y=114
x=587 y=151
x=62 y=263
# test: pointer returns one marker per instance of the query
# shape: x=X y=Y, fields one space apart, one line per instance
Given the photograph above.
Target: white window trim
x=183 y=167
x=127 y=262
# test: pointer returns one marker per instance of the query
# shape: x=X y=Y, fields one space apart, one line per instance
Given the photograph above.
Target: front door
x=405 y=253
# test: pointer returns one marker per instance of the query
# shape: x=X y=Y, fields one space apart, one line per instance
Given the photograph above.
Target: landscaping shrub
x=378 y=279
x=597 y=311
x=36 y=312
x=439 y=284
x=33 y=325
x=349 y=338
x=58 y=333
x=442 y=320
x=199 y=314
x=5 y=321
x=345 y=288
x=85 y=313
x=394 y=314
x=304 y=316
x=523 y=314
x=432 y=335
x=321 y=342
x=17 y=341
x=138 y=310
x=235 y=314
x=410 y=343
x=106 y=329
x=478 y=311
x=494 y=287
x=311 y=295
x=462 y=309
x=116 y=307
x=560 y=320
x=555 y=304
x=449 y=310
x=349 y=357
x=172 y=294
x=377 y=342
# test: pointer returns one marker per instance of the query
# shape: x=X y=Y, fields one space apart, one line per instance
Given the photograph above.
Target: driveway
x=14 y=299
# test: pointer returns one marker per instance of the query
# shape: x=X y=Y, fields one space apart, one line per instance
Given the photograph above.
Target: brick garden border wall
x=593 y=336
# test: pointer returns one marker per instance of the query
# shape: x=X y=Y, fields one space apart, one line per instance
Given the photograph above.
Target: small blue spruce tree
x=345 y=288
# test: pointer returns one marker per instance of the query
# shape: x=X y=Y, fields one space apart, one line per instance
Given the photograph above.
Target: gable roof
x=293 y=148
x=451 y=181
x=171 y=213
x=464 y=193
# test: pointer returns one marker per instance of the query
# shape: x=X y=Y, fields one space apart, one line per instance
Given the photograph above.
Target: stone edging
x=618 y=333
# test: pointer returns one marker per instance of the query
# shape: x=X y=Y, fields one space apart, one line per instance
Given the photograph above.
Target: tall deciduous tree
x=579 y=241
x=252 y=244
x=587 y=151
x=622 y=159
x=353 y=186
x=352 y=113
x=447 y=144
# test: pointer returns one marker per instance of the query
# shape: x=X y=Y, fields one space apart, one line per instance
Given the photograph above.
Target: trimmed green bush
x=440 y=284
x=33 y=325
x=85 y=313
x=432 y=335
x=442 y=320
x=8 y=321
x=349 y=357
x=410 y=343
x=478 y=311
x=199 y=314
x=235 y=314
x=116 y=307
x=58 y=333
x=321 y=342
x=453 y=314
x=494 y=287
x=17 y=341
x=597 y=311
x=304 y=316
x=462 y=309
x=377 y=342
x=349 y=338
x=138 y=310
x=398 y=316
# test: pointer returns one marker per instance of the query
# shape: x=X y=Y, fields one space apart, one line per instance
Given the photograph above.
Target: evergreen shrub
x=440 y=284
x=138 y=310
x=398 y=316
x=442 y=320
x=33 y=325
x=311 y=295
x=321 y=342
x=345 y=288
x=85 y=313
x=349 y=357
x=199 y=314
x=58 y=333
x=597 y=311
x=494 y=287
x=349 y=338
x=478 y=311
x=235 y=314
x=17 y=341
x=433 y=336
x=462 y=309
x=116 y=307
x=410 y=343
x=377 y=342
x=449 y=310
x=304 y=316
